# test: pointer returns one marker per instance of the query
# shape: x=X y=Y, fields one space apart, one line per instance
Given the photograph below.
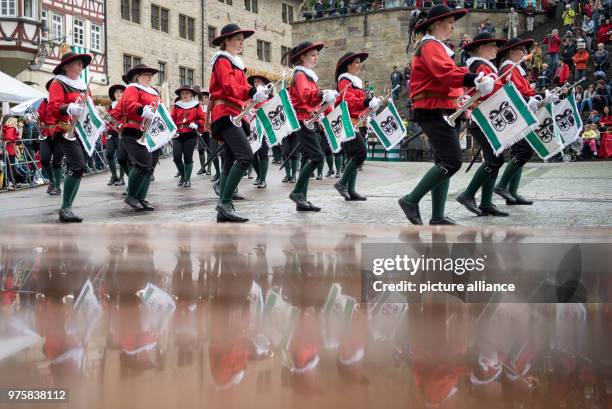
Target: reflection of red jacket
x=132 y=103
x=183 y=117
x=305 y=95
x=354 y=97
x=60 y=95
x=228 y=83
x=10 y=135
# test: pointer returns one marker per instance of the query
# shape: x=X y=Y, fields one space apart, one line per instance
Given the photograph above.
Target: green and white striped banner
x=544 y=139
x=279 y=320
x=278 y=118
x=337 y=313
x=89 y=127
x=85 y=74
x=257 y=134
x=162 y=129
x=504 y=118
x=338 y=127
x=567 y=120
x=388 y=127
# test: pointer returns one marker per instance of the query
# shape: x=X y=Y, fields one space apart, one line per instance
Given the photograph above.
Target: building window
x=78 y=32
x=212 y=33
x=228 y=2
x=164 y=19
x=44 y=23
x=190 y=78
x=186 y=76
x=130 y=61
x=57 y=26
x=29 y=9
x=161 y=75
x=96 y=37
x=125 y=9
x=182 y=76
x=130 y=10
x=250 y=5
x=154 y=17
x=284 y=52
x=159 y=18
x=287 y=13
x=263 y=50
x=8 y=8
x=186 y=27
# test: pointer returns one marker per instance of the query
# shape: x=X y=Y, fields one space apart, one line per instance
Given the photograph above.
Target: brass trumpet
x=146 y=125
x=108 y=119
x=309 y=123
x=364 y=115
x=80 y=101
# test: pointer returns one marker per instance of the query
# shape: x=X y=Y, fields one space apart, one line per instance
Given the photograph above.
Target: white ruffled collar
x=310 y=73
x=76 y=84
x=355 y=80
x=471 y=60
x=114 y=104
x=148 y=90
x=449 y=52
x=186 y=105
x=509 y=62
x=236 y=60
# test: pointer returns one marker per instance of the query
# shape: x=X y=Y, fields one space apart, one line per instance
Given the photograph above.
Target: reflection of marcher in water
x=186 y=316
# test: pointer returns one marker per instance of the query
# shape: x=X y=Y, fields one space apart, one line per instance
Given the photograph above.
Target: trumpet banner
x=162 y=129
x=567 y=120
x=504 y=118
x=89 y=126
x=388 y=127
x=278 y=118
x=545 y=139
x=338 y=127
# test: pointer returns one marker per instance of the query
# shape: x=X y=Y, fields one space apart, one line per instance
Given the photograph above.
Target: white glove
x=374 y=103
x=74 y=110
x=550 y=97
x=147 y=112
x=533 y=104
x=261 y=94
x=484 y=84
x=330 y=96
x=193 y=126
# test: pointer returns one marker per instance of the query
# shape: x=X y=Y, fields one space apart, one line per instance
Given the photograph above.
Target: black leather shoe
x=492 y=210
x=520 y=200
x=357 y=197
x=329 y=173
x=445 y=221
x=236 y=196
x=112 y=181
x=215 y=178
x=49 y=188
x=300 y=201
x=55 y=191
x=187 y=183
x=146 y=205
x=178 y=174
x=286 y=179
x=343 y=190
x=257 y=182
x=227 y=211
x=133 y=203
x=120 y=182
x=221 y=218
x=201 y=171
x=262 y=185
x=216 y=189
x=180 y=182
x=505 y=194
x=470 y=204
x=207 y=172
x=312 y=207
x=67 y=216
x=411 y=211
x=338 y=174
x=319 y=177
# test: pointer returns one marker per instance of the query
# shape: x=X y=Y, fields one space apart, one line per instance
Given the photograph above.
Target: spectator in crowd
x=600 y=99
x=588 y=28
x=319 y=9
x=543 y=80
x=407 y=69
x=343 y=7
x=369 y=89
x=396 y=80
x=554 y=45
x=10 y=134
x=606 y=118
x=603 y=34
x=587 y=8
x=578 y=91
x=568 y=52
x=489 y=27
x=512 y=23
x=581 y=58
x=481 y=28
x=590 y=136
x=587 y=99
x=354 y=5
x=568 y=16
x=593 y=118
x=562 y=74
x=536 y=60
x=598 y=14
x=530 y=13
x=601 y=59
x=306 y=10
x=463 y=54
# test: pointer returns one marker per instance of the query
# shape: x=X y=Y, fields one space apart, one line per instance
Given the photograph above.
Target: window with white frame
x=57 y=26
x=8 y=8
x=45 y=22
x=78 y=32
x=96 y=37
x=29 y=9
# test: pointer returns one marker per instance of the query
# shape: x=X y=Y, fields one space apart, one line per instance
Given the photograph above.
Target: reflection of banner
x=504 y=118
x=162 y=129
x=87 y=309
x=89 y=127
x=545 y=139
x=278 y=118
x=337 y=312
x=388 y=126
x=160 y=307
x=386 y=313
x=338 y=127
x=567 y=120
x=279 y=320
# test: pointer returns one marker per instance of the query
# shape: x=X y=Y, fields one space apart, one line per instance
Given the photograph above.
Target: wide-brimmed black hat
x=483 y=38
x=515 y=43
x=113 y=88
x=124 y=78
x=437 y=12
x=347 y=59
x=186 y=88
x=252 y=78
x=204 y=92
x=70 y=57
x=139 y=69
x=230 y=30
x=48 y=84
x=302 y=48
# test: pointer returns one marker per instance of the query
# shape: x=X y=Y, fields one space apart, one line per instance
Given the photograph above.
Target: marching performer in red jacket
x=138 y=104
x=115 y=92
x=50 y=149
x=260 y=159
x=307 y=98
x=188 y=116
x=67 y=95
x=229 y=90
x=483 y=50
x=521 y=152
x=435 y=84
x=348 y=69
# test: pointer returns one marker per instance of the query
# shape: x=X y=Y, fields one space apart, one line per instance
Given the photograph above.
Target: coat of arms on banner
x=504 y=115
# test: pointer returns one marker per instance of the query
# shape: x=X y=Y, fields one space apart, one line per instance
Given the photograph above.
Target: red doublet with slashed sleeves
x=353 y=96
x=183 y=117
x=60 y=96
x=132 y=103
x=519 y=81
x=435 y=81
x=228 y=83
x=115 y=113
x=305 y=96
